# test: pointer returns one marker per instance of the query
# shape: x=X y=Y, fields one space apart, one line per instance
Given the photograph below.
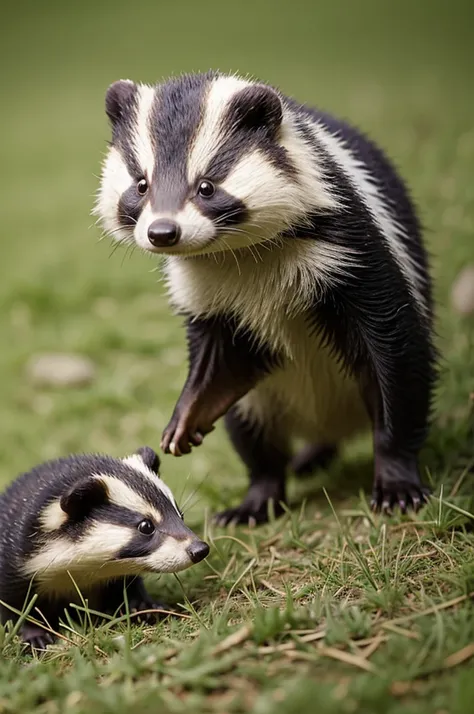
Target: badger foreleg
x=224 y=364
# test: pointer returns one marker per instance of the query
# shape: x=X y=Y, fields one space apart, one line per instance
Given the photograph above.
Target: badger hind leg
x=264 y=450
x=313 y=457
x=138 y=598
x=396 y=481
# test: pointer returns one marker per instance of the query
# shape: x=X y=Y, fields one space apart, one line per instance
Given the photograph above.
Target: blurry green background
x=400 y=70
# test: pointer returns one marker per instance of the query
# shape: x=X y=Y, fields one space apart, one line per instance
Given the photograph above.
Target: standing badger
x=91 y=521
x=294 y=251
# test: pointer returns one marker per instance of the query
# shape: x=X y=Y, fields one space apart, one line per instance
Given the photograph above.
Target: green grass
x=328 y=609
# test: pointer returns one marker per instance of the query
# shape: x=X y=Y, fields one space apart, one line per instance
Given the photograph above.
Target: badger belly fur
x=311 y=395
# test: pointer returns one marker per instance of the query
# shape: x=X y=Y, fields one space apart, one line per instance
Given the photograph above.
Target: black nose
x=198 y=550
x=163 y=233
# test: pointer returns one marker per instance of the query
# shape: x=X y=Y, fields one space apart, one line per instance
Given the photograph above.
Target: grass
x=329 y=608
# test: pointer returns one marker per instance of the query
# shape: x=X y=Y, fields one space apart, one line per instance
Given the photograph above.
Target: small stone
x=61 y=370
x=462 y=293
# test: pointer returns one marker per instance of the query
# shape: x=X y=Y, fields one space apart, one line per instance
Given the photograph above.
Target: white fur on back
x=365 y=185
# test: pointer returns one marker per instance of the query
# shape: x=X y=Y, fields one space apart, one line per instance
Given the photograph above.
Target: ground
x=329 y=608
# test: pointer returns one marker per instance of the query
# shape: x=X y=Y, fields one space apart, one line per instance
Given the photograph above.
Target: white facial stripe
x=170 y=557
x=52 y=517
x=101 y=543
x=136 y=463
x=364 y=184
x=114 y=181
x=122 y=495
x=142 y=140
x=208 y=137
x=276 y=201
x=197 y=230
x=141 y=229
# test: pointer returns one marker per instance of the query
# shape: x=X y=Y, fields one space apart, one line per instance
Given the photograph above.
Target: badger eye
x=206 y=189
x=146 y=527
x=142 y=187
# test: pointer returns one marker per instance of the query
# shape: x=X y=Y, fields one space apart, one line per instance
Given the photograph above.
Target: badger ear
x=118 y=98
x=83 y=498
x=149 y=457
x=256 y=107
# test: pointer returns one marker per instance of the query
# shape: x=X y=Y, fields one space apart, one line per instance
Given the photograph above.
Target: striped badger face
x=202 y=164
x=114 y=522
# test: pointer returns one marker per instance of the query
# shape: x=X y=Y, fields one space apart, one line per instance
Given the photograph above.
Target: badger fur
x=295 y=253
x=92 y=523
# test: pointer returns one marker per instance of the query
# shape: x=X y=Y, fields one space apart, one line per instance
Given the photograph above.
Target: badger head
x=203 y=163
x=111 y=522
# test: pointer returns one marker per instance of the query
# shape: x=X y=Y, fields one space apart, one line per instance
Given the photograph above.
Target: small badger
x=94 y=522
x=295 y=254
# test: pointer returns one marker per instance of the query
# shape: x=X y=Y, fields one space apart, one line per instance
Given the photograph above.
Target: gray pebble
x=61 y=370
x=462 y=292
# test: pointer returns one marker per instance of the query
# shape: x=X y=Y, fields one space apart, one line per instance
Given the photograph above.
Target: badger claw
x=36 y=637
x=178 y=439
x=413 y=497
x=254 y=509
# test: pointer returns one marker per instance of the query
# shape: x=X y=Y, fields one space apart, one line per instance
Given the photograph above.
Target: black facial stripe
x=176 y=118
x=128 y=154
x=239 y=140
x=236 y=146
x=140 y=546
x=110 y=513
x=223 y=209
x=123 y=132
x=130 y=206
x=118 y=516
x=150 y=493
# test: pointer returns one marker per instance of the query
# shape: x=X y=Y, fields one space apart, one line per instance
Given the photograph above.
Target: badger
x=85 y=527
x=294 y=252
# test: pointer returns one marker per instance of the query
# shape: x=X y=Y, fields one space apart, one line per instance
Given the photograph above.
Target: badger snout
x=197 y=551
x=163 y=233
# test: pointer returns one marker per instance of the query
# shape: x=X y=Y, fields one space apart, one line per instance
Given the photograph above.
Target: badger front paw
x=181 y=435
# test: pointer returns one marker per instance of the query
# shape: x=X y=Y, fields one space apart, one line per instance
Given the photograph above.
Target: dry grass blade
x=347 y=658
x=271 y=587
x=401 y=631
x=460 y=656
x=369 y=650
x=429 y=610
x=236 y=638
